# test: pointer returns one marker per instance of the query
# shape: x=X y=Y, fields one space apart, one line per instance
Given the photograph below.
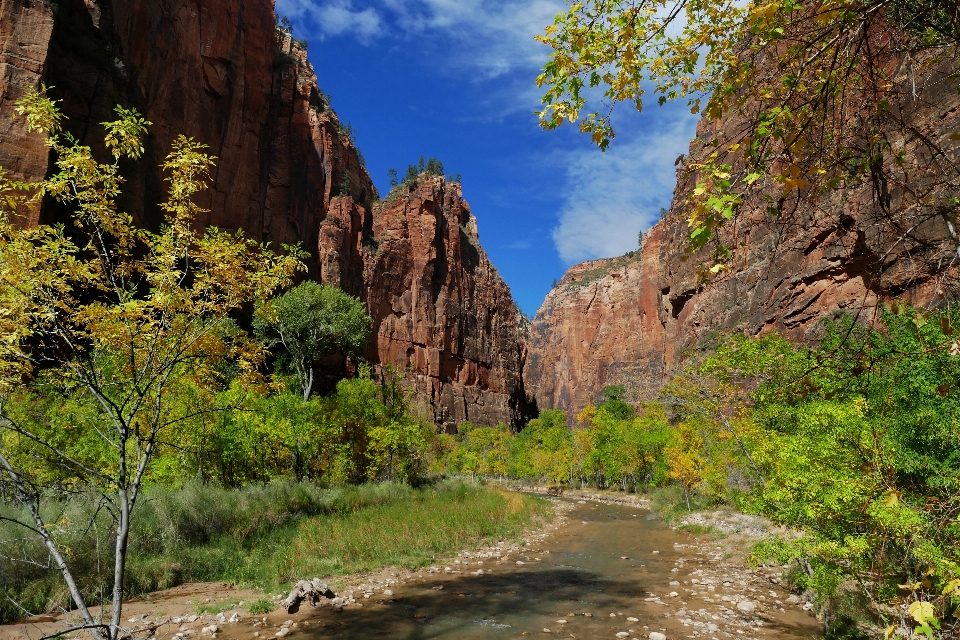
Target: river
x=606 y=571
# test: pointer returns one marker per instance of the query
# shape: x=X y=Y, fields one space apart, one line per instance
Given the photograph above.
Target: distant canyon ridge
x=287 y=172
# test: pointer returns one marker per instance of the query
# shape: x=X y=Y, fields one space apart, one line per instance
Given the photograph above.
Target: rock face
x=440 y=309
x=287 y=172
x=631 y=320
x=25 y=30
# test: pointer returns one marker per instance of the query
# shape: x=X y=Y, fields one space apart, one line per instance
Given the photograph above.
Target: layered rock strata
x=287 y=172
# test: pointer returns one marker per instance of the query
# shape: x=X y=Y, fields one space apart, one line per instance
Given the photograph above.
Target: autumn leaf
x=922 y=611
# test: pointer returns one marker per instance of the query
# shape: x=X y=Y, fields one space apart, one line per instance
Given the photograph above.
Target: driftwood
x=307 y=590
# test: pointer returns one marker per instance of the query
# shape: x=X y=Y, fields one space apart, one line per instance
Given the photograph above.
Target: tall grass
x=259 y=535
x=409 y=534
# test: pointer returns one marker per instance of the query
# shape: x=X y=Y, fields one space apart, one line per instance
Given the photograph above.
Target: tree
x=312 y=321
x=817 y=98
x=614 y=404
x=115 y=317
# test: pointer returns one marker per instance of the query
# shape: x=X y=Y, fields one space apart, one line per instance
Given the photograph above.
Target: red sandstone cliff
x=286 y=172
x=631 y=320
x=440 y=309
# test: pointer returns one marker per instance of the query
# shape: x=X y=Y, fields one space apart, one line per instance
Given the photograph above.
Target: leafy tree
x=614 y=404
x=861 y=451
x=112 y=319
x=312 y=321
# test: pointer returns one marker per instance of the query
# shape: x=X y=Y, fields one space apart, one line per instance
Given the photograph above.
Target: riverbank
x=605 y=565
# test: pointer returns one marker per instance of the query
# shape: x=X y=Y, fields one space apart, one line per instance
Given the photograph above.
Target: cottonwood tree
x=105 y=313
x=312 y=321
x=819 y=101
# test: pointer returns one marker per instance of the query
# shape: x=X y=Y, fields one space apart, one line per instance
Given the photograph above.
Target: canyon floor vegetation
x=853 y=444
x=160 y=420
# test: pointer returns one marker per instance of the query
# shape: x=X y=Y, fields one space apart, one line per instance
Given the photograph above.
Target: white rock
x=712 y=628
x=387 y=592
x=623 y=634
x=794 y=599
x=656 y=635
x=632 y=619
x=746 y=606
x=674 y=583
x=561 y=621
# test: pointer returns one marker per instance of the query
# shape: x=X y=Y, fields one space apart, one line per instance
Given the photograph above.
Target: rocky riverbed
x=605 y=567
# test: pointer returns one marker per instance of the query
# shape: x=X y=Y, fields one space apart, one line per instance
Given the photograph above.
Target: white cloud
x=488 y=37
x=332 y=18
x=612 y=196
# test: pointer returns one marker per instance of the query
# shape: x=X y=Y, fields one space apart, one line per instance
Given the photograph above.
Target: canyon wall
x=441 y=311
x=632 y=320
x=287 y=172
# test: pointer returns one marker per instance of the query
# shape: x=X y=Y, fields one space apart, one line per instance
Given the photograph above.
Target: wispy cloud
x=613 y=196
x=333 y=18
x=491 y=37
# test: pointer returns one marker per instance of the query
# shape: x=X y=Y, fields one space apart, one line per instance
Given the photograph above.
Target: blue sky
x=454 y=79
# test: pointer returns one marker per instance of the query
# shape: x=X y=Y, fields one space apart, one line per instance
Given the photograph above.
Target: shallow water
x=579 y=570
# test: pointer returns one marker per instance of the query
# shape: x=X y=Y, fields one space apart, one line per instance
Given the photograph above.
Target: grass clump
x=260 y=607
x=670 y=502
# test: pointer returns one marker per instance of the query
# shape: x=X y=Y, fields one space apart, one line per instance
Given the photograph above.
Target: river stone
x=623 y=634
x=711 y=627
x=746 y=606
x=656 y=635
x=794 y=599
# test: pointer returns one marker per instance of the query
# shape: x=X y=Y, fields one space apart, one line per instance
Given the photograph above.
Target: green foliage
x=111 y=321
x=614 y=447
x=255 y=535
x=312 y=321
x=411 y=178
x=260 y=607
x=860 y=447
